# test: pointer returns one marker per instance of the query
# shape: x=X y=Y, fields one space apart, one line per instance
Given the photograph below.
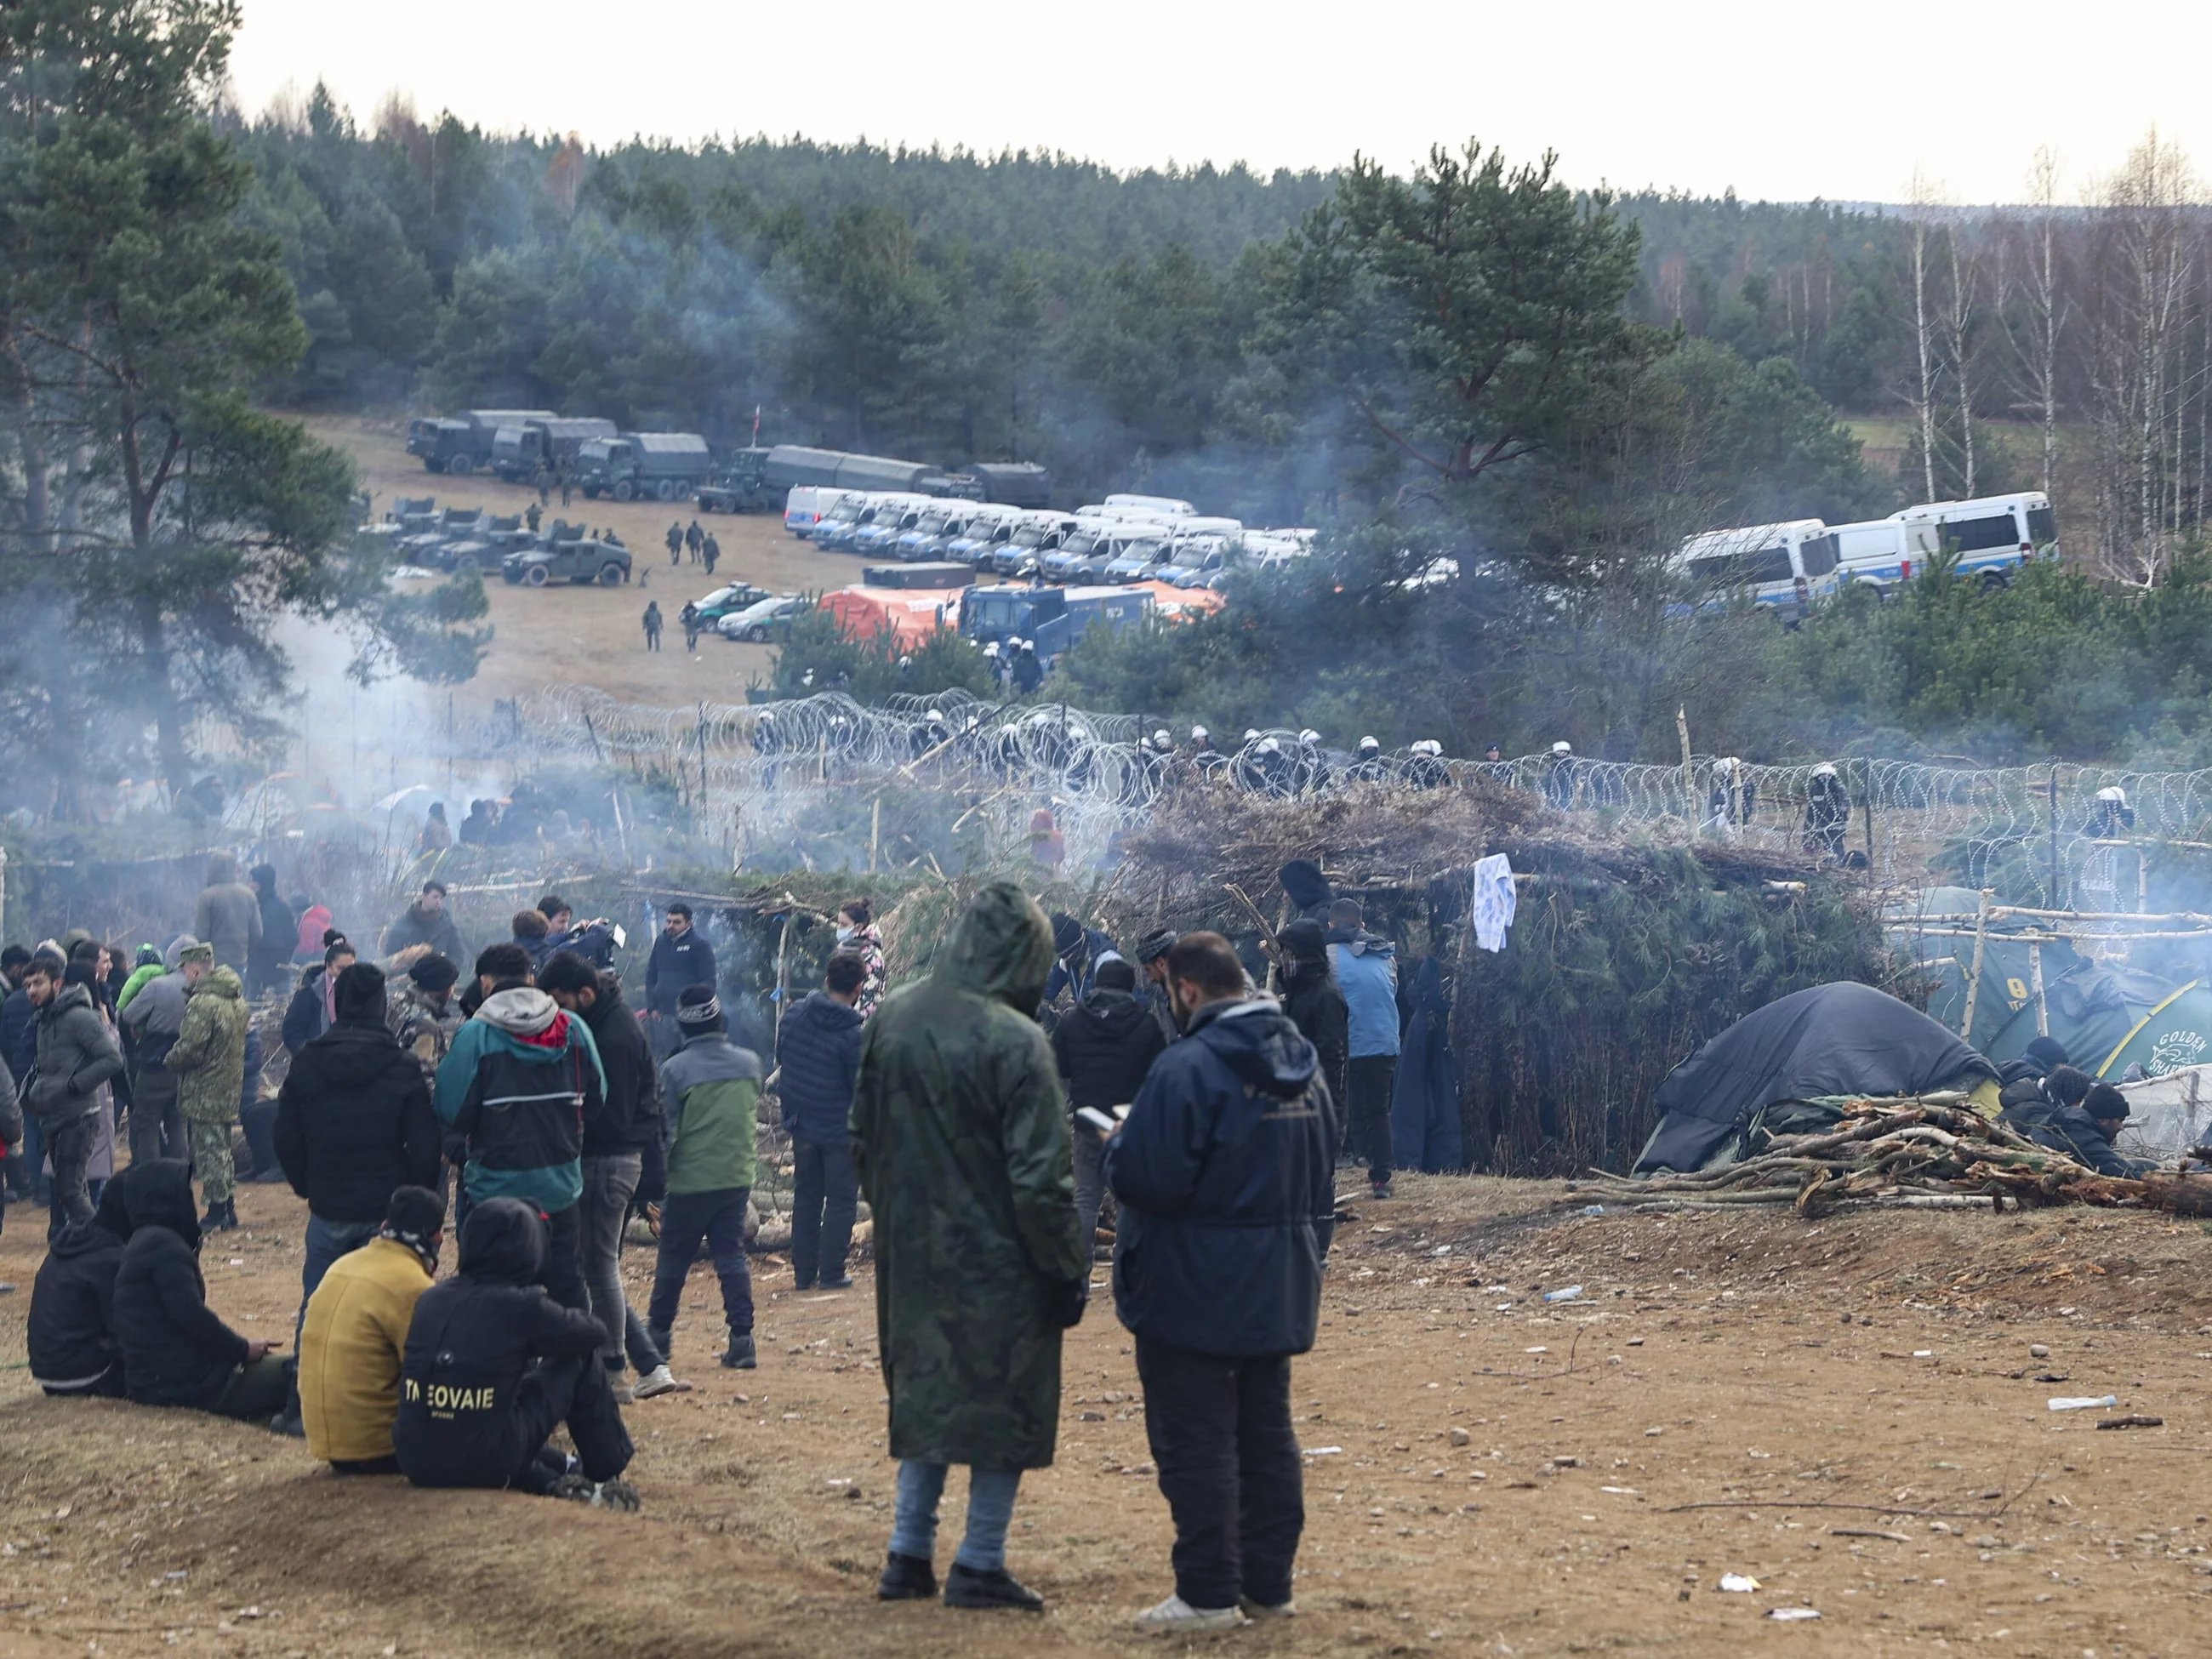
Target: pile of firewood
x=1928 y=1151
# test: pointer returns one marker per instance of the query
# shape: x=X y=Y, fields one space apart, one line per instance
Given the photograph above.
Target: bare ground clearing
x=1782 y=1371
x=592 y=635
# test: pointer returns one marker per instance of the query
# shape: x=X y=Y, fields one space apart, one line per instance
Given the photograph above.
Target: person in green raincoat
x=961 y=1135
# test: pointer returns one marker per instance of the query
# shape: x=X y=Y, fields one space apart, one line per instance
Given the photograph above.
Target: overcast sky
x=1782 y=102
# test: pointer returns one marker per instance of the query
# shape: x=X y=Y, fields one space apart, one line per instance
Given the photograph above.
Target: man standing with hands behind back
x=680 y=957
x=1225 y=1174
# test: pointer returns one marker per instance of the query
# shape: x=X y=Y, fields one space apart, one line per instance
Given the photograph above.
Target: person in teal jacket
x=710 y=1093
x=515 y=1089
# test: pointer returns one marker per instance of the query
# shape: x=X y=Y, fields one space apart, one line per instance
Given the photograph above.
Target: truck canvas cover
x=1842 y=1039
x=668 y=443
x=917 y=576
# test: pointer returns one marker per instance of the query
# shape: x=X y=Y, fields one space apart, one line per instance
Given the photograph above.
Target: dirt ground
x=1848 y=1411
x=594 y=635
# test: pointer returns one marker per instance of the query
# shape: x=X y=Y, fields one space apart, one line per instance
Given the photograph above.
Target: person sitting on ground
x=175 y=1351
x=1103 y=1046
x=817 y=1047
x=493 y=1366
x=70 y=1332
x=2083 y=1125
x=710 y=1093
x=308 y=1015
x=2028 y=1101
x=354 y=1335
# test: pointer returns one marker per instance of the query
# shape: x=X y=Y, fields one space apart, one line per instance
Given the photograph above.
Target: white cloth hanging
x=1494 y=902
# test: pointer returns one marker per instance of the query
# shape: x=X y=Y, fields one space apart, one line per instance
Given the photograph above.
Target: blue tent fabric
x=1425 y=1126
x=1842 y=1039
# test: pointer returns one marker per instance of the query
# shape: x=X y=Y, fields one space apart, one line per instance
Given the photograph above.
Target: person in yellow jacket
x=356 y=1333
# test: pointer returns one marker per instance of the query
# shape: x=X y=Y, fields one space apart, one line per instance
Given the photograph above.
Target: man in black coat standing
x=493 y=1366
x=1225 y=1173
x=616 y=1138
x=817 y=1045
x=681 y=956
x=1315 y=1001
x=1103 y=1046
x=354 y=1124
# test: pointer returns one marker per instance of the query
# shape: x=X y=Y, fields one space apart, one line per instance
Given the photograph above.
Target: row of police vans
x=1790 y=566
x=1123 y=538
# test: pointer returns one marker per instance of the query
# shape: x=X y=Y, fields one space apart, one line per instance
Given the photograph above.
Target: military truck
x=662 y=466
x=740 y=485
x=1014 y=483
x=606 y=563
x=459 y=444
x=518 y=451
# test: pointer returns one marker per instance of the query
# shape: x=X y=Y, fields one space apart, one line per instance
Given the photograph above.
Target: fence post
x=1974 y=978
x=2058 y=899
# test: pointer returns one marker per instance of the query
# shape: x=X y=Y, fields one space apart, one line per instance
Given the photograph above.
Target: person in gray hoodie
x=77 y=1055
x=229 y=915
x=157 y=1013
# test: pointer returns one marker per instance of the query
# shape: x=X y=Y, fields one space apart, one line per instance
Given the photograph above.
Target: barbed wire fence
x=2057 y=835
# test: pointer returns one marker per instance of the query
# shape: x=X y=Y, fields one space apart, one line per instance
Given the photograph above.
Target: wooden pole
x=875 y=830
x=1689 y=767
x=2035 y=987
x=2056 y=897
x=1974 y=978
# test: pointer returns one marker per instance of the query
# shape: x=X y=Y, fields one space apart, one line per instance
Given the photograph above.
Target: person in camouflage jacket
x=209 y=1061
x=423 y=1013
x=961 y=1136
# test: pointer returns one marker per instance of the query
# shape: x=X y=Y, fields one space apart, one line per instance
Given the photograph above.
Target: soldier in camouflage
x=961 y=1136
x=209 y=1061
x=423 y=1014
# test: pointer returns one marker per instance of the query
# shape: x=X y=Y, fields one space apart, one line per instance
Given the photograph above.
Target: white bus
x=1993 y=534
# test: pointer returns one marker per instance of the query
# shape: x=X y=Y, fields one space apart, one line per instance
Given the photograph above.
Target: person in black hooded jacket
x=493 y=1366
x=176 y=1351
x=70 y=1335
x=1103 y=1046
x=1315 y=1001
x=1225 y=1173
x=353 y=1125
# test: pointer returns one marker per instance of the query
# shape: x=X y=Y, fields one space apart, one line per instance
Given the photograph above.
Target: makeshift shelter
x=2170 y=1115
x=2034 y=982
x=1842 y=1039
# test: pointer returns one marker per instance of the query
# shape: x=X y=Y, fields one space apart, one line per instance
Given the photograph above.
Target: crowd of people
x=525 y=1108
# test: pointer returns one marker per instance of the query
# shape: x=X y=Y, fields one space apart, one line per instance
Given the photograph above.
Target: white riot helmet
x=2112 y=794
x=1199 y=734
x=1162 y=740
x=1309 y=736
x=1269 y=746
x=1251 y=735
x=1369 y=746
x=1825 y=769
x=1428 y=746
x=1562 y=747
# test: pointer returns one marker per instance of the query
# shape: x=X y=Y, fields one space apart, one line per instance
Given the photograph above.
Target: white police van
x=1993 y=534
x=1883 y=554
x=1783 y=567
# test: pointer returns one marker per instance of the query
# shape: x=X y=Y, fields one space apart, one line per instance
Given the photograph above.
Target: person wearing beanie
x=514 y=1092
x=960 y=1134
x=817 y=1048
x=209 y=1058
x=1077 y=951
x=353 y=1125
x=1152 y=963
x=423 y=1014
x=313 y=1005
x=2070 y=1112
x=710 y=1095
x=353 y=1334
x=229 y=915
x=153 y=1014
x=1103 y=1046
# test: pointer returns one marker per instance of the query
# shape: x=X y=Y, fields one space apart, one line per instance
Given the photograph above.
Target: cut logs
x=1921 y=1152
